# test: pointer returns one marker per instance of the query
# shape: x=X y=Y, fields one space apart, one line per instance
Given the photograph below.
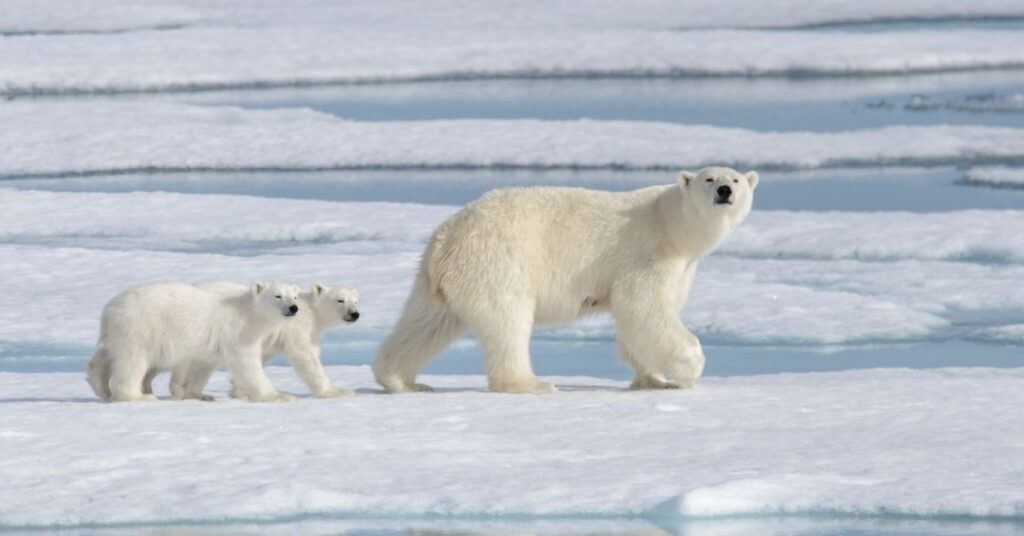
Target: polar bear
x=521 y=257
x=321 y=309
x=191 y=331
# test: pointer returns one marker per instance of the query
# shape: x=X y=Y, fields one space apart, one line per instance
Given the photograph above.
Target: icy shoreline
x=839 y=443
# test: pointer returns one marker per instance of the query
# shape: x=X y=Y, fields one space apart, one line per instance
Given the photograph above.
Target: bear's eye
x=278 y=296
x=710 y=180
x=735 y=181
x=341 y=301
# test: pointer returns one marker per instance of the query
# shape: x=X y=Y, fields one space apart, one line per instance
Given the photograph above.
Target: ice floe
x=103 y=137
x=871 y=442
x=1010 y=177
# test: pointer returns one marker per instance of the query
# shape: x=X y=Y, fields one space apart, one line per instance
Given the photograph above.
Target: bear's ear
x=257 y=287
x=752 y=179
x=686 y=177
x=318 y=289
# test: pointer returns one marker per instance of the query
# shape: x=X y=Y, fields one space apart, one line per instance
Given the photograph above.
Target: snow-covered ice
x=103 y=136
x=1011 y=177
x=197 y=45
x=836 y=443
x=106 y=15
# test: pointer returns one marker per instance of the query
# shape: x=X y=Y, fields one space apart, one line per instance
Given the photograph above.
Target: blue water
x=758 y=104
x=905 y=189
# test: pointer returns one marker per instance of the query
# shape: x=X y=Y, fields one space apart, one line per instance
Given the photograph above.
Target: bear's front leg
x=308 y=366
x=249 y=381
x=644 y=379
x=655 y=341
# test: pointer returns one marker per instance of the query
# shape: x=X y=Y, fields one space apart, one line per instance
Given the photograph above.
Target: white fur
x=321 y=309
x=523 y=257
x=190 y=331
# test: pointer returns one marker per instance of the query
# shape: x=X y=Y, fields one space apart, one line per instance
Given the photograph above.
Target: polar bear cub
x=320 y=310
x=190 y=331
x=522 y=257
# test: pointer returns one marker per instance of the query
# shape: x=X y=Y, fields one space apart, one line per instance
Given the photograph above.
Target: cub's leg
x=308 y=366
x=126 y=374
x=249 y=380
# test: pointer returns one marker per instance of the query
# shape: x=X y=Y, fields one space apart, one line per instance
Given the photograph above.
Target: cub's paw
x=280 y=398
x=335 y=392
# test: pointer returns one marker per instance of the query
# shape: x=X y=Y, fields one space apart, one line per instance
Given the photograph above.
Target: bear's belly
x=567 y=309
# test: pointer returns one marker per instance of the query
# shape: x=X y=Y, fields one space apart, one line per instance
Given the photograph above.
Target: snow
x=99 y=136
x=64 y=47
x=986 y=235
x=107 y=15
x=1012 y=333
x=835 y=443
x=239 y=57
x=783 y=277
x=996 y=176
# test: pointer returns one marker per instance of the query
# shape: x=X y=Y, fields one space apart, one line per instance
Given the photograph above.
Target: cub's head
x=719 y=190
x=276 y=298
x=338 y=303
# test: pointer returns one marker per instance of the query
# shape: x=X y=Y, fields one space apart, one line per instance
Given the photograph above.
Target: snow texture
x=835 y=443
x=97 y=136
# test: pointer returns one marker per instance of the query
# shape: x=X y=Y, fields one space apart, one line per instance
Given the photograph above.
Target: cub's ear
x=686 y=177
x=752 y=179
x=318 y=289
x=258 y=287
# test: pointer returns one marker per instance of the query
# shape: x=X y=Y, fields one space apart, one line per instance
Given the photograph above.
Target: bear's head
x=337 y=304
x=719 y=191
x=275 y=298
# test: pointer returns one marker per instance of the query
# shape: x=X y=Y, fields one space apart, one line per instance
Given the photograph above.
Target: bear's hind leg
x=179 y=377
x=98 y=374
x=197 y=378
x=147 y=381
x=505 y=339
x=126 y=376
x=426 y=328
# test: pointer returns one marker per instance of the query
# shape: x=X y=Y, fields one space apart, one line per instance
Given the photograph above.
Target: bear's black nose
x=293 y=309
x=355 y=316
x=724 y=192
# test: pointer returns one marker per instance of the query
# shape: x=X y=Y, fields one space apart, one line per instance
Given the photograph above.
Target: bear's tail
x=426 y=328
x=98 y=374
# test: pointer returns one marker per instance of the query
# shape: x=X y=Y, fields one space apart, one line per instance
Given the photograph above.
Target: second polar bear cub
x=190 y=331
x=321 y=309
x=528 y=256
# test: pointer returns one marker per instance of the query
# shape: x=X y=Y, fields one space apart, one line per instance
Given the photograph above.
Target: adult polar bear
x=520 y=257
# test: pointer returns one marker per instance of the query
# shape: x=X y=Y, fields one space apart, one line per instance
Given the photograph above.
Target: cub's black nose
x=355 y=316
x=293 y=309
x=724 y=192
